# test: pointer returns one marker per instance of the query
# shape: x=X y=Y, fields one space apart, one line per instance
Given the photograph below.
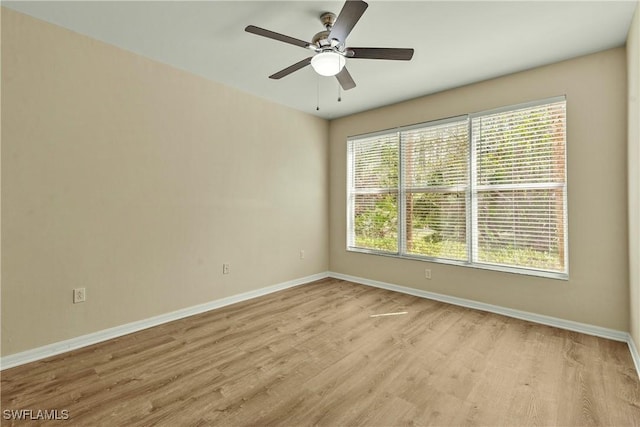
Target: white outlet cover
x=79 y=295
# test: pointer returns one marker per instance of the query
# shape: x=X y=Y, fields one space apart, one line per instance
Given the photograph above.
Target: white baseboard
x=39 y=353
x=518 y=314
x=584 y=328
x=634 y=354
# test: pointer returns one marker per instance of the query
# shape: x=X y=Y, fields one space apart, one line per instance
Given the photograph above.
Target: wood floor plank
x=334 y=353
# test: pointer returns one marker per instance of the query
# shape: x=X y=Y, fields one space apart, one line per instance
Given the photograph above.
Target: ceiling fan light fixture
x=328 y=63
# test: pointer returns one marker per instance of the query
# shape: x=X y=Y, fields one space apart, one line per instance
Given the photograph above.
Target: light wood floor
x=312 y=355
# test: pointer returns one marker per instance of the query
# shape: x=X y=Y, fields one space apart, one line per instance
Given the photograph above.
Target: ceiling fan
x=331 y=52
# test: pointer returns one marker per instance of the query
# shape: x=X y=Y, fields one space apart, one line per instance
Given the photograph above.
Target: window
x=374 y=167
x=486 y=190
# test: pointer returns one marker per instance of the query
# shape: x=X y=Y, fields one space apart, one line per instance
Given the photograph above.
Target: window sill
x=481 y=266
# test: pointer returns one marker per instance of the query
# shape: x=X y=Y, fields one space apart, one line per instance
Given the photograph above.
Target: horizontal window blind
x=520 y=187
x=373 y=182
x=435 y=163
x=521 y=228
x=486 y=190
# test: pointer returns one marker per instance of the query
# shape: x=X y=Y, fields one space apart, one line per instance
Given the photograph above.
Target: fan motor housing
x=321 y=39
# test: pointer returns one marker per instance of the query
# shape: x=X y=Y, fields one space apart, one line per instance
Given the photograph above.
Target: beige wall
x=138 y=181
x=633 y=70
x=597 y=292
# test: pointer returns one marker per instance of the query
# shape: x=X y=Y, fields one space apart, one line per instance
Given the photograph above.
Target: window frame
x=471 y=193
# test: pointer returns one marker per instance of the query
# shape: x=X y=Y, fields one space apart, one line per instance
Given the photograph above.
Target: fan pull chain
x=339 y=87
x=318 y=93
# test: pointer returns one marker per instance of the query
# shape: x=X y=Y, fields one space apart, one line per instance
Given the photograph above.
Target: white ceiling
x=455 y=42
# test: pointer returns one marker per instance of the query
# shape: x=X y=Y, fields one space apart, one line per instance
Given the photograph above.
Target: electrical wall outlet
x=427 y=273
x=226 y=268
x=79 y=295
x=301 y=253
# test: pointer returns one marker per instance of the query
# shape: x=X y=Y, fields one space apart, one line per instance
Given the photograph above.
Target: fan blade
x=380 y=53
x=345 y=79
x=290 y=69
x=276 y=36
x=347 y=19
